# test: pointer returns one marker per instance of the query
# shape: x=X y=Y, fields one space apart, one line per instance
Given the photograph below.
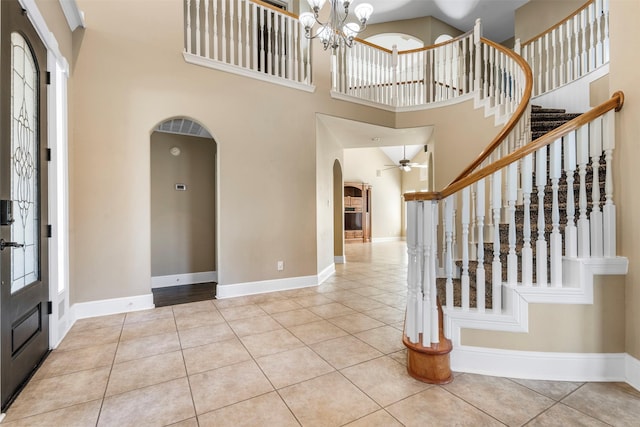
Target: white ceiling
x=497 y=15
x=352 y=134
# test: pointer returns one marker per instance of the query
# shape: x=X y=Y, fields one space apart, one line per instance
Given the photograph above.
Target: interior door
x=24 y=320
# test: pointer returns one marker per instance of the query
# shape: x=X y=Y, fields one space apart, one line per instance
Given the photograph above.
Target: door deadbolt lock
x=4 y=244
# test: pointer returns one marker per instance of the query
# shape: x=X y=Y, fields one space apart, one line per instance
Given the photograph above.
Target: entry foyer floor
x=330 y=355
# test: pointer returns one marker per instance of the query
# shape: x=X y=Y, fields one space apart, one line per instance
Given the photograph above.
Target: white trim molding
x=234 y=69
x=104 y=307
x=354 y=99
x=265 y=286
x=540 y=365
x=339 y=259
x=326 y=273
x=632 y=371
x=183 y=279
x=75 y=17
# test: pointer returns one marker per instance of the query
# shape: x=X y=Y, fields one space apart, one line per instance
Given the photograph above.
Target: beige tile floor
x=325 y=356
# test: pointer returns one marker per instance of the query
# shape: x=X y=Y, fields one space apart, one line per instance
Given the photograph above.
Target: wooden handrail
x=513 y=121
x=275 y=9
x=583 y=7
x=420 y=49
x=615 y=102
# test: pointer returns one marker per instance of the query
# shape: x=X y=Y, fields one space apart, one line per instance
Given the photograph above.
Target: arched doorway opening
x=338 y=215
x=183 y=157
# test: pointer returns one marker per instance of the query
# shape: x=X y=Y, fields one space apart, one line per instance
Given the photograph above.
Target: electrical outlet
x=280 y=265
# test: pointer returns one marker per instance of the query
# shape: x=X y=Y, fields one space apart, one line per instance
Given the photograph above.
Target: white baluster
x=548 y=63
x=554 y=54
x=569 y=60
x=512 y=195
x=582 y=149
x=561 y=66
x=188 y=32
x=414 y=252
x=289 y=48
x=274 y=41
x=555 y=242
x=207 y=48
x=198 y=27
x=464 y=278
x=605 y=46
x=527 y=252
x=263 y=40
x=576 y=61
x=541 y=244
x=480 y=273
x=223 y=22
x=394 y=76
x=496 y=265
x=540 y=73
x=430 y=324
x=485 y=91
x=477 y=35
x=595 y=219
x=247 y=29
x=473 y=253
x=232 y=59
x=255 y=48
x=598 y=18
x=609 y=209
x=570 y=231
x=281 y=47
x=592 y=36
x=585 y=52
x=240 y=31
x=448 y=260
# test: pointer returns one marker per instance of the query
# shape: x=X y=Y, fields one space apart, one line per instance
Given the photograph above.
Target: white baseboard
x=326 y=273
x=632 y=371
x=265 y=286
x=541 y=365
x=104 y=307
x=341 y=259
x=184 y=279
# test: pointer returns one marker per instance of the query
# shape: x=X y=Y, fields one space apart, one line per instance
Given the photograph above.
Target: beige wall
x=593 y=328
x=624 y=67
x=360 y=165
x=537 y=16
x=183 y=234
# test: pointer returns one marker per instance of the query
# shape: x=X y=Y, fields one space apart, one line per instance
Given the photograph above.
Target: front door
x=24 y=322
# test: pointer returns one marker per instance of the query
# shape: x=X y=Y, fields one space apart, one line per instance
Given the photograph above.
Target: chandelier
x=336 y=30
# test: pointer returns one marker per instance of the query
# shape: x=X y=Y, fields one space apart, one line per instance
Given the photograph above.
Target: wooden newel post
x=430 y=364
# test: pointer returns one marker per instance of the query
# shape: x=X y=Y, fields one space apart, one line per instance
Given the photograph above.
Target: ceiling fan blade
x=418 y=166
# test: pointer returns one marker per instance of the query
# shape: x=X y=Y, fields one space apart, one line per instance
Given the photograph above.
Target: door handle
x=4 y=244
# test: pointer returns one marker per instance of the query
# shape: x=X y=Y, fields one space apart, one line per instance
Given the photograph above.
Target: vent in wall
x=183 y=127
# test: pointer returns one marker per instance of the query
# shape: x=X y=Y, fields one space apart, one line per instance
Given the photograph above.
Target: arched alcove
x=338 y=217
x=183 y=157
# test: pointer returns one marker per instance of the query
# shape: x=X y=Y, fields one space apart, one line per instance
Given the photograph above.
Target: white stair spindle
x=223 y=22
x=207 y=47
x=541 y=244
x=570 y=231
x=414 y=294
x=247 y=29
x=431 y=333
x=448 y=261
x=582 y=152
x=592 y=36
x=240 y=10
x=188 y=29
x=527 y=251
x=576 y=51
x=275 y=43
x=569 y=60
x=555 y=241
x=480 y=273
x=512 y=195
x=496 y=265
x=584 y=63
x=598 y=17
x=232 y=59
x=605 y=47
x=595 y=219
x=255 y=47
x=198 y=41
x=609 y=209
x=464 y=277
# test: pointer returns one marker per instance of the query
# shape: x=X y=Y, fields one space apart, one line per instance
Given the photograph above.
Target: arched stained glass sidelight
x=24 y=164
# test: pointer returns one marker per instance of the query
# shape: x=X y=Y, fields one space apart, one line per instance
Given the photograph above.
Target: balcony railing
x=248 y=37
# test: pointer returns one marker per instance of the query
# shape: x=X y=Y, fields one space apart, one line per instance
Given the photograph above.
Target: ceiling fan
x=405 y=164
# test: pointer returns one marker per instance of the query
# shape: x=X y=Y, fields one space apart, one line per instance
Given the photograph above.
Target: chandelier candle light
x=335 y=30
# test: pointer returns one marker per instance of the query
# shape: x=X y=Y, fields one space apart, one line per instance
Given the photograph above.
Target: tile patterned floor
x=325 y=356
